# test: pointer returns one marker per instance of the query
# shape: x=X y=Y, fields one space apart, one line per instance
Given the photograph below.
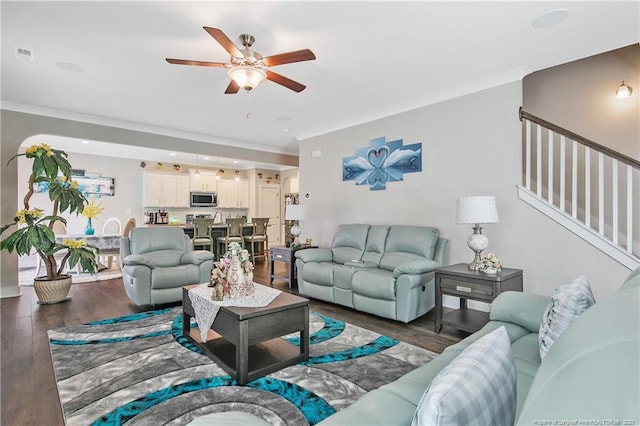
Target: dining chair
x=234 y=234
x=131 y=223
x=112 y=222
x=106 y=256
x=258 y=239
x=202 y=234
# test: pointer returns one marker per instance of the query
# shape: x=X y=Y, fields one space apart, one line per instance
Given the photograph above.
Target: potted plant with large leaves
x=50 y=169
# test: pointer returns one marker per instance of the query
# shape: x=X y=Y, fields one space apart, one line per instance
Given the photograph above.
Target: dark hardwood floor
x=28 y=388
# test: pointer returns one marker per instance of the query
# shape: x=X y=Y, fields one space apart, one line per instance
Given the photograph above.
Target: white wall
x=126 y=203
x=580 y=96
x=471 y=146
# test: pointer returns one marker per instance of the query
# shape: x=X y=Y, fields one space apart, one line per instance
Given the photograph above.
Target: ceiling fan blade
x=196 y=63
x=232 y=88
x=284 y=81
x=289 y=57
x=224 y=41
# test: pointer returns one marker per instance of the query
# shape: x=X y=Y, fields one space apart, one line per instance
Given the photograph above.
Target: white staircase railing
x=590 y=189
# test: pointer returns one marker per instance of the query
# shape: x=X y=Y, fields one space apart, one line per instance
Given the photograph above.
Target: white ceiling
x=374 y=59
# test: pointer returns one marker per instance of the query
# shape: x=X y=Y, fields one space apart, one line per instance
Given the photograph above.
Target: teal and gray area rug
x=139 y=369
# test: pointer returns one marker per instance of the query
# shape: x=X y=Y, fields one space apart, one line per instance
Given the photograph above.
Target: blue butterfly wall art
x=382 y=162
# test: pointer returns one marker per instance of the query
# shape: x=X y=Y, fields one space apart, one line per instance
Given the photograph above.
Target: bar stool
x=259 y=238
x=234 y=235
x=202 y=234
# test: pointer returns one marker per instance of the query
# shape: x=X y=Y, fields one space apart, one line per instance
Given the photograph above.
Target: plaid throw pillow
x=477 y=388
x=568 y=302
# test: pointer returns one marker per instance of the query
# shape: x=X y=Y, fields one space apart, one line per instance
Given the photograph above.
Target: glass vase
x=89 y=230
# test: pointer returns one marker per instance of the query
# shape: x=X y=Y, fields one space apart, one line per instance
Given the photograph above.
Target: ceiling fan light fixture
x=247 y=77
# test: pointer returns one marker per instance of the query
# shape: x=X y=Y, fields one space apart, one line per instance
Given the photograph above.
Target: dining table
x=108 y=244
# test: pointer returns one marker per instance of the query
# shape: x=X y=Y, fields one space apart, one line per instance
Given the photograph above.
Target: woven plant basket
x=52 y=291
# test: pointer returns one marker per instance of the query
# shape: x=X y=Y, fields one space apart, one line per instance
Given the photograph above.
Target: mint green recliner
x=157 y=262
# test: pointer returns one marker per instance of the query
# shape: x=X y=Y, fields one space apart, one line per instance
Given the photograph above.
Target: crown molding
x=103 y=121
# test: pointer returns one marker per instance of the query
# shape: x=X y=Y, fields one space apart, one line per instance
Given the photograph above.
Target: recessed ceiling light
x=205 y=158
x=550 y=18
x=68 y=66
x=172 y=154
x=285 y=130
x=85 y=142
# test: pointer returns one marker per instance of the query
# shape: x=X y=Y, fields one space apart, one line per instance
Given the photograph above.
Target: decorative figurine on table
x=239 y=271
x=490 y=264
x=234 y=273
x=218 y=281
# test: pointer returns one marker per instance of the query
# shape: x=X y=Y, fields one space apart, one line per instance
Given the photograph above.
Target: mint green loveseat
x=382 y=270
x=590 y=376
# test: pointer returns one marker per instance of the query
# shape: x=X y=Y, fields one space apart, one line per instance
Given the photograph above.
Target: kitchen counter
x=217 y=230
x=184 y=225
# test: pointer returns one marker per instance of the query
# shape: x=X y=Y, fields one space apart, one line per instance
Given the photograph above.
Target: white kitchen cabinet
x=165 y=190
x=182 y=191
x=243 y=193
x=206 y=182
x=152 y=189
x=232 y=194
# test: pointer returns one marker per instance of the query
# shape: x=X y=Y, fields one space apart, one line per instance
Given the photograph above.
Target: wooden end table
x=457 y=280
x=284 y=254
x=246 y=342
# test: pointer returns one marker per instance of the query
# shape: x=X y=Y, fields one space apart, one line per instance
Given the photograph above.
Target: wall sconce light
x=623 y=91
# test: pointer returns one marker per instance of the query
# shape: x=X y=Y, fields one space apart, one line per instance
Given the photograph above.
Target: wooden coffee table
x=246 y=342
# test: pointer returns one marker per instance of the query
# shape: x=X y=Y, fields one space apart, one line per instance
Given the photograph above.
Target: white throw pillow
x=478 y=387
x=568 y=302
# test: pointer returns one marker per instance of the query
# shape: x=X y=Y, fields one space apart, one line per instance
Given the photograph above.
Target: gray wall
x=471 y=146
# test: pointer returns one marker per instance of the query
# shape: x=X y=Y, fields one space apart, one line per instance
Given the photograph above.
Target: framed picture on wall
x=88 y=185
x=96 y=185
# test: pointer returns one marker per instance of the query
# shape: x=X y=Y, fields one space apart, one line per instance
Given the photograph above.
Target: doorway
x=269 y=206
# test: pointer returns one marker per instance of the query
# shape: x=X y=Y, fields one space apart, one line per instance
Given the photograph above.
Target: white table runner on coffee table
x=207 y=309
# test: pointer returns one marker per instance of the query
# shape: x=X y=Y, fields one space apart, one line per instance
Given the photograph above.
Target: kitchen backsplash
x=179 y=216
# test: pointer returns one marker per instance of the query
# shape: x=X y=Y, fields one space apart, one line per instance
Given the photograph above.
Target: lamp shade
x=477 y=209
x=294 y=212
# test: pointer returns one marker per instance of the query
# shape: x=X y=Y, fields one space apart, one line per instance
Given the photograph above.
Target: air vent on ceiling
x=25 y=53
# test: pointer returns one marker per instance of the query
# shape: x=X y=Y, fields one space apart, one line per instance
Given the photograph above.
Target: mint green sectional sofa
x=382 y=270
x=590 y=376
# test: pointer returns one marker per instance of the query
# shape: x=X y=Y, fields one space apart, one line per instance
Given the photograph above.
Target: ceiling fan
x=248 y=68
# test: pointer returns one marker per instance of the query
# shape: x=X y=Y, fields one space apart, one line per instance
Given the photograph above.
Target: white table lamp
x=477 y=210
x=295 y=212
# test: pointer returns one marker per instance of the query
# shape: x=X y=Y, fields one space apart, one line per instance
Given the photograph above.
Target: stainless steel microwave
x=204 y=199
